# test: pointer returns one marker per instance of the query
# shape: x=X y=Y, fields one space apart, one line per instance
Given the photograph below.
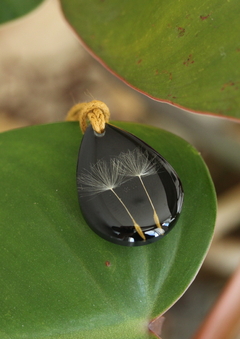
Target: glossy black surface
x=125 y=187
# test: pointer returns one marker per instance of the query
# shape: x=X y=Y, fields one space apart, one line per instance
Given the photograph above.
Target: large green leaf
x=13 y=9
x=58 y=279
x=183 y=52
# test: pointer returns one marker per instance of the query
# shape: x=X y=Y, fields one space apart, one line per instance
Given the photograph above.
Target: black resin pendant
x=128 y=193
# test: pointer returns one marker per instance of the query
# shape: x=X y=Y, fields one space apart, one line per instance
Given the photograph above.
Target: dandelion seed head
x=137 y=163
x=101 y=177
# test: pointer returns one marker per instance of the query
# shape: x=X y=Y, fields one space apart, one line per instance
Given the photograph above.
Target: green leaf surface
x=13 y=9
x=183 y=52
x=58 y=279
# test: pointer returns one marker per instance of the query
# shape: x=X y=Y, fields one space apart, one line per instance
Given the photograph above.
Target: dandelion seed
x=137 y=164
x=103 y=177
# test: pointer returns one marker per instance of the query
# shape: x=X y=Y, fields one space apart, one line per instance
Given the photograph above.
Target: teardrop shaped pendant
x=128 y=193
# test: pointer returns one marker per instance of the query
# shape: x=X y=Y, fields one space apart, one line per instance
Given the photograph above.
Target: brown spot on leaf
x=168 y=73
x=139 y=61
x=156 y=72
x=107 y=263
x=171 y=96
x=181 y=31
x=202 y=17
x=189 y=60
x=229 y=84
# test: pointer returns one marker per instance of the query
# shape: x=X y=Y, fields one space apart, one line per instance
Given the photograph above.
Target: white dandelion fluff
x=101 y=177
x=136 y=163
x=106 y=177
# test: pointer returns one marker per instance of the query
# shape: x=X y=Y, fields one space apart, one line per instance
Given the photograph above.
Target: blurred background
x=44 y=71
